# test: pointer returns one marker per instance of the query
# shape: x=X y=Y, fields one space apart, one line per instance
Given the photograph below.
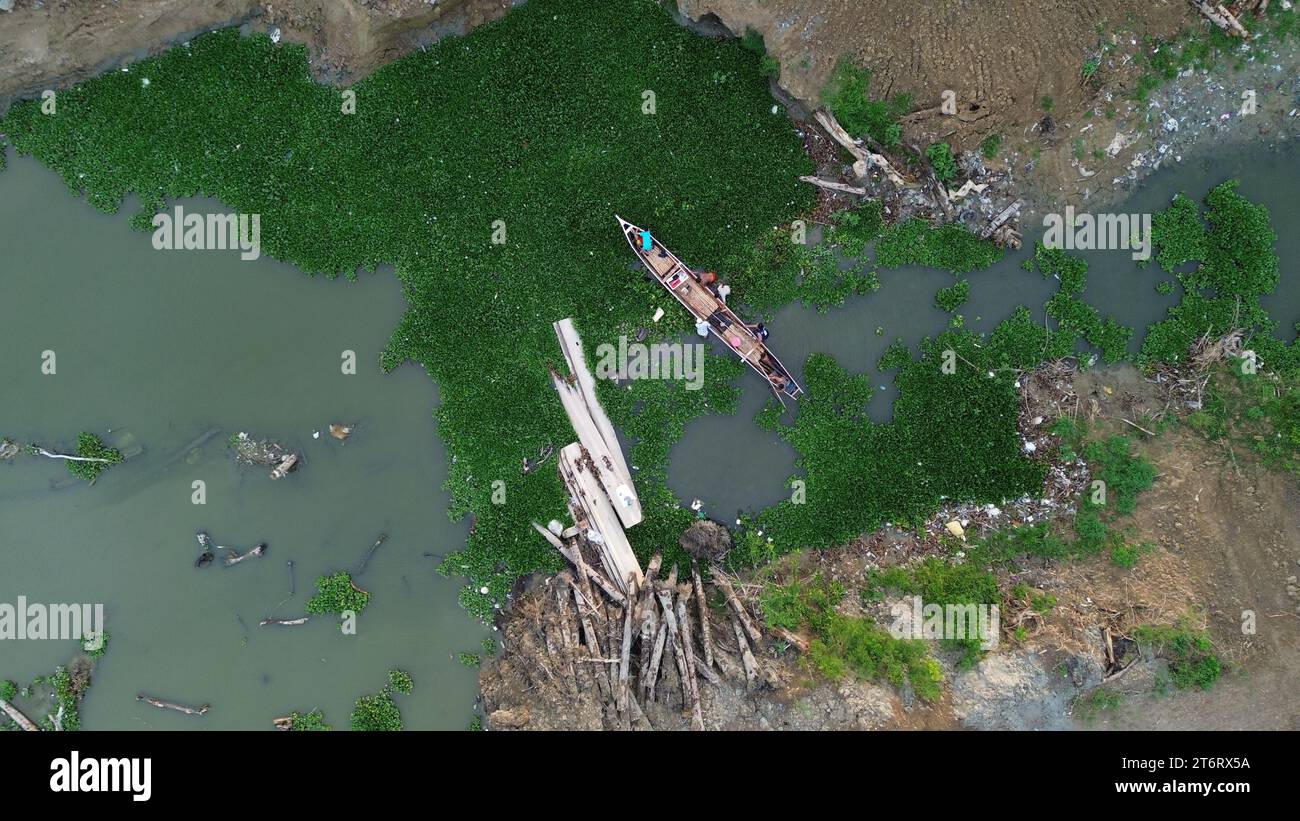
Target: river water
x=161 y=347
x=736 y=468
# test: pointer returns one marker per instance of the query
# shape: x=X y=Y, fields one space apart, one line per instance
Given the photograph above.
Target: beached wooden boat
x=702 y=300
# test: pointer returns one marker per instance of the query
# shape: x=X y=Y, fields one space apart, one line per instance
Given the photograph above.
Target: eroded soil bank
x=1217 y=543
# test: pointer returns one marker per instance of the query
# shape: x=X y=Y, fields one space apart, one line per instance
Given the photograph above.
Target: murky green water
x=161 y=346
x=733 y=466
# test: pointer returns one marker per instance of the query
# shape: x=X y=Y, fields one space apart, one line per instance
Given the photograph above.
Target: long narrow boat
x=705 y=305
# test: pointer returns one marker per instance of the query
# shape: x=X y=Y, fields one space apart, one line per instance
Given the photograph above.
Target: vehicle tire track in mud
x=1007 y=54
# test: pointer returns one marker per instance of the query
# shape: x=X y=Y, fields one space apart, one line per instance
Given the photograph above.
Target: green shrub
x=1189 y=651
x=954 y=296
x=847 y=97
x=941 y=159
x=91 y=446
x=990 y=146
x=8 y=690
x=304 y=722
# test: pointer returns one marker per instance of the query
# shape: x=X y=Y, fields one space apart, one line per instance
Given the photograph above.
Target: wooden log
x=625 y=656
x=1001 y=219
x=283 y=723
x=171 y=705
x=1221 y=17
x=666 y=594
x=235 y=557
x=283 y=622
x=864 y=159
x=44 y=452
x=383 y=537
x=794 y=639
x=702 y=670
x=649 y=621
x=613 y=630
x=18 y=718
x=831 y=185
x=651 y=679
x=569 y=635
x=589 y=635
x=688 y=652
x=285 y=467
x=702 y=604
x=720 y=579
x=746 y=657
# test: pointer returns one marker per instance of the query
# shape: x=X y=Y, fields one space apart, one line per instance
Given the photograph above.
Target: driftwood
x=171 y=705
x=1001 y=219
x=236 y=557
x=863 y=159
x=19 y=719
x=739 y=609
x=283 y=622
x=283 y=723
x=44 y=452
x=1221 y=17
x=830 y=185
x=285 y=467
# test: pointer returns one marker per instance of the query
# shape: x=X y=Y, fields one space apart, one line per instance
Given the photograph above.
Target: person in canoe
x=759 y=329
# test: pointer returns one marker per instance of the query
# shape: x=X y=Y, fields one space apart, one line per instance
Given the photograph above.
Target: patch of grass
x=1189 y=651
x=941 y=159
x=990 y=146
x=844 y=645
x=1092 y=704
x=1047 y=104
x=847 y=95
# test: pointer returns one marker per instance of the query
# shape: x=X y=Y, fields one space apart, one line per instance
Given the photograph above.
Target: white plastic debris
x=275 y=34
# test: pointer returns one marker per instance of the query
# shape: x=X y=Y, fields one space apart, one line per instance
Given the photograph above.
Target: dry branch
x=171 y=705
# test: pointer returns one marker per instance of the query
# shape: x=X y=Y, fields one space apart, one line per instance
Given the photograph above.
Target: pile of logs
x=658 y=642
x=1229 y=19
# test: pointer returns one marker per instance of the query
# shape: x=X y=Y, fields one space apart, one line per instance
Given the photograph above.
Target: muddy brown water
x=161 y=346
x=733 y=467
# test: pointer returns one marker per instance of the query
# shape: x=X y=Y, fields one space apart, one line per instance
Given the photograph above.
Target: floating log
x=18 y=718
x=42 y=451
x=236 y=557
x=595 y=432
x=283 y=723
x=581 y=477
x=283 y=622
x=285 y=467
x=171 y=705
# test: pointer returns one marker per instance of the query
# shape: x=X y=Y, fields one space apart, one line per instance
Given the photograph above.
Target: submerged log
x=236 y=557
x=171 y=705
x=383 y=537
x=18 y=718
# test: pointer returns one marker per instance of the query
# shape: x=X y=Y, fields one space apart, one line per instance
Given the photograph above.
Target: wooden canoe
x=703 y=302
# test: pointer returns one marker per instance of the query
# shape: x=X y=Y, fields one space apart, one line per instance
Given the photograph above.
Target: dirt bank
x=1220 y=540
x=53 y=44
x=1066 y=138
